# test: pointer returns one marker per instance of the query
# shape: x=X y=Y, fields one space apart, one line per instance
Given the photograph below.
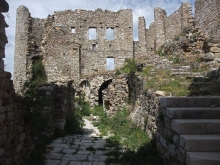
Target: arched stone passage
x=95 y=84
x=102 y=87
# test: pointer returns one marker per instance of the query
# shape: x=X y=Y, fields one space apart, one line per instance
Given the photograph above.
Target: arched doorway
x=102 y=87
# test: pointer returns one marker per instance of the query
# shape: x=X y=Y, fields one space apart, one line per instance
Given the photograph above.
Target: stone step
x=203 y=158
x=196 y=126
x=198 y=101
x=200 y=143
x=181 y=67
x=193 y=113
x=181 y=73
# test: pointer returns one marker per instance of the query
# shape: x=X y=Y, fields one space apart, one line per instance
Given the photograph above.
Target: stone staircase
x=196 y=123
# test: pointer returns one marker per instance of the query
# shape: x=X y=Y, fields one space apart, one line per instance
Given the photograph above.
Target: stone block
x=68 y=151
x=217 y=55
x=22 y=137
x=2 y=110
x=208 y=57
x=2 y=74
x=19 y=147
x=215 y=49
x=193 y=113
x=2 y=53
x=10 y=116
x=2 y=64
x=200 y=143
x=206 y=158
x=204 y=101
x=2 y=118
x=60 y=124
x=2 y=152
x=173 y=101
x=74 y=163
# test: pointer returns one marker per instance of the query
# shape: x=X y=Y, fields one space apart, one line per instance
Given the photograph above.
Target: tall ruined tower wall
x=165 y=28
x=207 y=16
x=140 y=46
x=21 y=49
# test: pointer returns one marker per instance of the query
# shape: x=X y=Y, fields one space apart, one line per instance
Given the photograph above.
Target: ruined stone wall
x=94 y=86
x=60 y=99
x=150 y=37
x=160 y=24
x=140 y=45
x=15 y=140
x=207 y=16
x=115 y=97
x=62 y=40
x=165 y=28
x=146 y=112
x=21 y=48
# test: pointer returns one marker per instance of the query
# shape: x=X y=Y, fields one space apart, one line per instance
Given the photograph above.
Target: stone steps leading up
x=196 y=122
x=203 y=158
x=196 y=126
x=200 y=143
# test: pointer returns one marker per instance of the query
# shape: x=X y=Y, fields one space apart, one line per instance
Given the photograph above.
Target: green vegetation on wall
x=38 y=73
x=130 y=66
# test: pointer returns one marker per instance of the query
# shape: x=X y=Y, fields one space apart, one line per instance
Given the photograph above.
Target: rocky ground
x=86 y=149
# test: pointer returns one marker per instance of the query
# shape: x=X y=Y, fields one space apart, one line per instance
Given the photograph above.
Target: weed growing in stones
x=130 y=66
x=129 y=138
x=166 y=82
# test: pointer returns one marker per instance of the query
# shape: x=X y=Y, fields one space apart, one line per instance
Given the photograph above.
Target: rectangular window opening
x=110 y=63
x=92 y=33
x=110 y=34
x=93 y=46
x=73 y=30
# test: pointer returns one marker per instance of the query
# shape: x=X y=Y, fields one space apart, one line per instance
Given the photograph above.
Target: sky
x=42 y=8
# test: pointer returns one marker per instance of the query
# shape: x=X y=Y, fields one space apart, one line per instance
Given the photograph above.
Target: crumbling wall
x=60 y=97
x=165 y=28
x=140 y=45
x=207 y=16
x=115 y=97
x=16 y=142
x=62 y=40
x=94 y=86
x=23 y=22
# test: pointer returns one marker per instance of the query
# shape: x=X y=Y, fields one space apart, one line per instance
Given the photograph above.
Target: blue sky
x=41 y=8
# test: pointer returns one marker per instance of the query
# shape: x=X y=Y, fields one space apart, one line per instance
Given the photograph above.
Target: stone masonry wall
x=140 y=45
x=16 y=143
x=62 y=40
x=21 y=39
x=115 y=97
x=60 y=97
x=207 y=16
x=165 y=28
x=146 y=112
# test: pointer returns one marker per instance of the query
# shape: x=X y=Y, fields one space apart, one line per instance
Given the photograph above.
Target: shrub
x=117 y=72
x=130 y=66
x=176 y=60
x=32 y=105
x=38 y=73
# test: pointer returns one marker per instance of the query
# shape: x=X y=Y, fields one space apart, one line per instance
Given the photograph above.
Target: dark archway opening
x=102 y=87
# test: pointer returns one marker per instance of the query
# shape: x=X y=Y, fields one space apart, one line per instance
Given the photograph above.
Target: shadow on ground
x=145 y=155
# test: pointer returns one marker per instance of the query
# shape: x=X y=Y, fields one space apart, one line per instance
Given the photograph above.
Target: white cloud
x=41 y=8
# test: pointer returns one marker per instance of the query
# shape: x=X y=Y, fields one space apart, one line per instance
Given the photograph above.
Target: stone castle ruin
x=76 y=47
x=76 y=43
